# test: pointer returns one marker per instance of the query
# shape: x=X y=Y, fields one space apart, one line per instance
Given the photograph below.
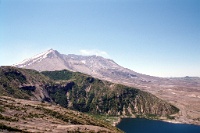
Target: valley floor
x=187 y=101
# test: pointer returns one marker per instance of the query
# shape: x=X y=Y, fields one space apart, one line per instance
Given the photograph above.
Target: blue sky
x=154 y=37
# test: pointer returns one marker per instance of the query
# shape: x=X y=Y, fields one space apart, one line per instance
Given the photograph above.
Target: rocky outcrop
x=28 y=87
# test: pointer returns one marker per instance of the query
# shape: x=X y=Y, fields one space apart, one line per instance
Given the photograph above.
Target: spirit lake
x=140 y=125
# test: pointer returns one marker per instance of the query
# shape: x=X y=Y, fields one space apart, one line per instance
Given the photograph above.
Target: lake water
x=139 y=125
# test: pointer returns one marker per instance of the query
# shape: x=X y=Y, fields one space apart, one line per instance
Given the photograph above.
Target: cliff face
x=81 y=92
x=110 y=99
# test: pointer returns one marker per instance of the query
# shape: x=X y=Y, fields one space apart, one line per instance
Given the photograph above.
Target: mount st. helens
x=182 y=92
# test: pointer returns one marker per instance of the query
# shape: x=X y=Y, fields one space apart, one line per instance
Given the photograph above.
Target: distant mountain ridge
x=93 y=65
x=99 y=67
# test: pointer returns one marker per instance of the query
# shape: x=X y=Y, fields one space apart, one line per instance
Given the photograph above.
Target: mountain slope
x=32 y=115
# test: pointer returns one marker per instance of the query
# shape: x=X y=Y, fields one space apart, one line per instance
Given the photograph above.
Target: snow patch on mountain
x=34 y=59
x=83 y=61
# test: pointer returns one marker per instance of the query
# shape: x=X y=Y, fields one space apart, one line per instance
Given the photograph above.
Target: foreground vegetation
x=33 y=116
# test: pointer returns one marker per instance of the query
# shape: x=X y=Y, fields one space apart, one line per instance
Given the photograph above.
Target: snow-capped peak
x=36 y=58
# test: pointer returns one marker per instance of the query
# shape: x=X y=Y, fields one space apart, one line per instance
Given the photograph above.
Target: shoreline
x=115 y=123
x=120 y=118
